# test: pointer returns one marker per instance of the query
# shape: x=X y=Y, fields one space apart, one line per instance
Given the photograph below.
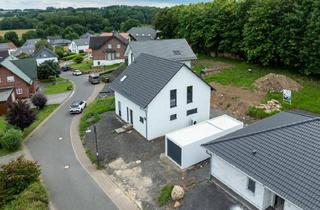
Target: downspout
x=210 y=175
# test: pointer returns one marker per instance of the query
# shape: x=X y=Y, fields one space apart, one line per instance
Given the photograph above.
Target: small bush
x=35 y=197
x=20 y=114
x=39 y=100
x=165 y=195
x=78 y=59
x=70 y=87
x=52 y=79
x=11 y=139
x=16 y=176
x=259 y=113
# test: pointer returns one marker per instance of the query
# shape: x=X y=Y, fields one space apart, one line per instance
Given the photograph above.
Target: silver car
x=77 y=107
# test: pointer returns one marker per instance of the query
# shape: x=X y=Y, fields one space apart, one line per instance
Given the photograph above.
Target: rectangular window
x=251 y=185
x=19 y=91
x=192 y=111
x=118 y=55
x=119 y=108
x=10 y=79
x=109 y=46
x=118 y=46
x=173 y=98
x=189 y=94
x=141 y=119
x=173 y=117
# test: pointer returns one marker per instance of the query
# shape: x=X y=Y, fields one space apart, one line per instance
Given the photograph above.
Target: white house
x=273 y=164
x=172 y=49
x=44 y=54
x=158 y=95
x=79 y=45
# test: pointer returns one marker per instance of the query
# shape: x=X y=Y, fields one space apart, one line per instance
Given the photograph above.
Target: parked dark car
x=65 y=68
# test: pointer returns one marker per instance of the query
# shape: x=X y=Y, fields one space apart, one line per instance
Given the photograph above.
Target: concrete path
x=69 y=184
x=57 y=98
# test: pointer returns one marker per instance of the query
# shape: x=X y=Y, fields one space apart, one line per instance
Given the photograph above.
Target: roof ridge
x=262 y=131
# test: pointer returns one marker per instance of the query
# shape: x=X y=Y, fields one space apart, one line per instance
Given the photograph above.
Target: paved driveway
x=69 y=188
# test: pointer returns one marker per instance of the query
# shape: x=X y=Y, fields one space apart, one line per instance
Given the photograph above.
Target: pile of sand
x=276 y=82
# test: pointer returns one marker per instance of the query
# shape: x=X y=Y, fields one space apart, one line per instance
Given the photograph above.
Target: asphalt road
x=69 y=188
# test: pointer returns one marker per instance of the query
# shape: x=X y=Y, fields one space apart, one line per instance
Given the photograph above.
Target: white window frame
x=118 y=46
x=109 y=46
x=10 y=78
x=19 y=91
x=117 y=55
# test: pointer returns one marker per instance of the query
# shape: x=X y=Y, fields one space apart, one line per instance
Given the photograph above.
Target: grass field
x=61 y=85
x=41 y=115
x=308 y=98
x=86 y=66
x=18 y=31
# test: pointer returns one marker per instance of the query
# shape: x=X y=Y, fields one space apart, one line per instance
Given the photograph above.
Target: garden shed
x=183 y=146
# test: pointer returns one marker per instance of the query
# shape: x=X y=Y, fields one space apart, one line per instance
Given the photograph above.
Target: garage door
x=174 y=151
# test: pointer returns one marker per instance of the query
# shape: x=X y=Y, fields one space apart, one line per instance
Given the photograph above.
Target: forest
x=267 y=32
x=71 y=23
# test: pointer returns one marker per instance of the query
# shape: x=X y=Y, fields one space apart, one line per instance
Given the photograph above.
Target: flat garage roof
x=203 y=130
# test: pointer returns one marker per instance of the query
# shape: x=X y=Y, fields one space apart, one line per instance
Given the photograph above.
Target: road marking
x=60 y=138
x=66 y=167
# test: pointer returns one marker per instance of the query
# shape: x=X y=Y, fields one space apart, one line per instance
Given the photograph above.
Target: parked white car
x=77 y=107
x=77 y=73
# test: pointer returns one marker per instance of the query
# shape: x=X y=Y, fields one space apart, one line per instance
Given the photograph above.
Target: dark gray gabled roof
x=286 y=159
x=173 y=49
x=82 y=42
x=143 y=33
x=44 y=53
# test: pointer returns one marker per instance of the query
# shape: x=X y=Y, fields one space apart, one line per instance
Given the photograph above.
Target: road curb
x=106 y=184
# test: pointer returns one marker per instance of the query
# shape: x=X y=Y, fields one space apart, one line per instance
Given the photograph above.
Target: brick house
x=108 y=50
x=18 y=75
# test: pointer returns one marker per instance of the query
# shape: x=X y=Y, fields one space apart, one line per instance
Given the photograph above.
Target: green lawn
x=93 y=111
x=86 y=66
x=308 y=98
x=41 y=115
x=61 y=85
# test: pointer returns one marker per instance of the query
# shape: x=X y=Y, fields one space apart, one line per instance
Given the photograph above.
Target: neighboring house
x=6 y=98
x=86 y=35
x=173 y=49
x=9 y=46
x=58 y=41
x=19 y=75
x=27 y=48
x=108 y=50
x=274 y=163
x=44 y=54
x=157 y=96
x=79 y=45
x=142 y=34
x=123 y=34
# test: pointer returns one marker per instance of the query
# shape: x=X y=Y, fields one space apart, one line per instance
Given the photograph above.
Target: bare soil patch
x=276 y=82
x=234 y=100
x=216 y=67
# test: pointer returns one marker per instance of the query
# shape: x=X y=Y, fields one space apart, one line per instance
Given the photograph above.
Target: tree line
x=267 y=32
x=71 y=23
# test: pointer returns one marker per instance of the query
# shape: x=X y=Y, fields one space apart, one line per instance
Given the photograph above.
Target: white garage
x=183 y=146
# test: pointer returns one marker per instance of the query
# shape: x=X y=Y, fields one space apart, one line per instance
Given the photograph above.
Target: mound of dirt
x=276 y=82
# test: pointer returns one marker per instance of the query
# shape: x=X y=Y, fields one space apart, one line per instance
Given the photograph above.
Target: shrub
x=52 y=79
x=165 y=195
x=11 y=139
x=78 y=59
x=20 y=114
x=39 y=100
x=47 y=69
x=16 y=176
x=259 y=113
x=33 y=197
x=70 y=87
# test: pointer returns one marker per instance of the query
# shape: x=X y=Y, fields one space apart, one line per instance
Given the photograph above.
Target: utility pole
x=97 y=151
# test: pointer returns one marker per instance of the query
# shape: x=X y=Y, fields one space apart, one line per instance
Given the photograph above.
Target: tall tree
x=12 y=36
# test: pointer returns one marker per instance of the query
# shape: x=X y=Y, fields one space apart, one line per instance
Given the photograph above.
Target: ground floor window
x=173 y=117
x=19 y=91
x=251 y=185
x=141 y=119
x=192 y=111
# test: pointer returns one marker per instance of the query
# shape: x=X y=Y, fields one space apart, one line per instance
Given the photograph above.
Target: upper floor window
x=173 y=98
x=251 y=185
x=19 y=91
x=118 y=55
x=109 y=46
x=10 y=79
x=118 y=46
x=189 y=94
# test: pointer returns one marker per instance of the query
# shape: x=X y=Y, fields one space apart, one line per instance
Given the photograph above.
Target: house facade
x=20 y=76
x=7 y=97
x=108 y=50
x=79 y=45
x=266 y=162
x=44 y=54
x=157 y=96
x=172 y=49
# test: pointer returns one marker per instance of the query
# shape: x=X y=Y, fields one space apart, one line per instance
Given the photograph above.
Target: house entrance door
x=278 y=203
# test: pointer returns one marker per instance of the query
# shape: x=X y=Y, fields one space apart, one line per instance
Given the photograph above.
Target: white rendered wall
x=107 y=62
x=290 y=206
x=41 y=60
x=159 y=110
x=237 y=181
x=137 y=112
